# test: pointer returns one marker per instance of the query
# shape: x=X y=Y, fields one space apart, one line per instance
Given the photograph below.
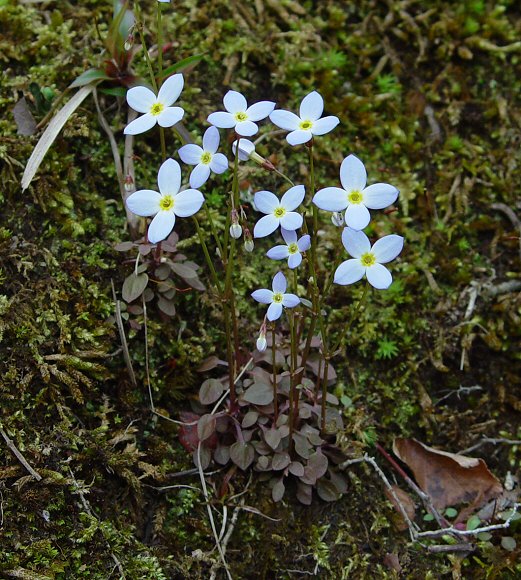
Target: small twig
x=228 y=535
x=492 y=441
x=122 y=337
x=88 y=509
x=443 y=549
x=19 y=456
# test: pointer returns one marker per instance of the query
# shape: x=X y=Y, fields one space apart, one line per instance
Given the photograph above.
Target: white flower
x=276 y=299
x=262 y=343
x=167 y=204
x=205 y=158
x=367 y=260
x=278 y=212
x=308 y=124
x=239 y=115
x=157 y=109
x=292 y=249
x=355 y=196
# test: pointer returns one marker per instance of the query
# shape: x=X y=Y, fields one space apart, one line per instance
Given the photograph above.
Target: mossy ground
x=429 y=97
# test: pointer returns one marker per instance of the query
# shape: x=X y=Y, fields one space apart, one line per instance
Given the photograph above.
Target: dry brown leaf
x=448 y=479
x=407 y=503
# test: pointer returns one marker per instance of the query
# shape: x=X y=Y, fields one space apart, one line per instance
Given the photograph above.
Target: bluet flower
x=367 y=261
x=205 y=158
x=167 y=204
x=302 y=128
x=278 y=212
x=276 y=299
x=156 y=109
x=292 y=249
x=355 y=196
x=239 y=116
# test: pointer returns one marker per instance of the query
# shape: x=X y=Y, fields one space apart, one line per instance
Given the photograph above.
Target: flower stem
x=214 y=231
x=207 y=256
x=351 y=320
x=292 y=387
x=145 y=50
x=274 y=370
x=160 y=70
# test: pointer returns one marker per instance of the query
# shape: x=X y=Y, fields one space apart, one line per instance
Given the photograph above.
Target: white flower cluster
x=354 y=197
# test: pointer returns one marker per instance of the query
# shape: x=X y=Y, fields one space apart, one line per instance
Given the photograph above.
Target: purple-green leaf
x=210 y=391
x=133 y=286
x=258 y=394
x=242 y=454
x=206 y=427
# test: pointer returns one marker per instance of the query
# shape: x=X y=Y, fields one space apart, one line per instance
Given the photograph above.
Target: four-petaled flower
x=158 y=108
x=292 y=249
x=239 y=115
x=278 y=212
x=205 y=158
x=355 y=196
x=367 y=260
x=246 y=149
x=308 y=124
x=276 y=299
x=167 y=204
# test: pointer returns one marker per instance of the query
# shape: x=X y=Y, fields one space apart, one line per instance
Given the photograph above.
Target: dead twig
x=19 y=456
x=489 y=440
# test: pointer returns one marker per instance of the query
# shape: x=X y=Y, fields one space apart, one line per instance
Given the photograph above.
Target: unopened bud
x=129 y=183
x=246 y=149
x=338 y=219
x=261 y=342
x=235 y=231
x=129 y=42
x=249 y=245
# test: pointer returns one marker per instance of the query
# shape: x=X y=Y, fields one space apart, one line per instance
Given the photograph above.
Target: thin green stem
x=274 y=370
x=214 y=231
x=139 y=26
x=160 y=70
x=284 y=176
x=351 y=320
x=324 y=395
x=292 y=387
x=207 y=256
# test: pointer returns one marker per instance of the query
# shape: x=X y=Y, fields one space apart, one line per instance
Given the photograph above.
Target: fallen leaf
x=407 y=503
x=449 y=479
x=25 y=123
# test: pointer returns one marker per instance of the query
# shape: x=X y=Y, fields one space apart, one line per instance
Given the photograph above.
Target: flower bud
x=261 y=342
x=235 y=231
x=248 y=241
x=129 y=42
x=129 y=183
x=338 y=219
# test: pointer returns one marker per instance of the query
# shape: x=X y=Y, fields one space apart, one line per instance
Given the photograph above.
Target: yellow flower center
x=368 y=259
x=241 y=116
x=355 y=197
x=279 y=212
x=206 y=158
x=278 y=297
x=293 y=248
x=166 y=203
x=156 y=109
x=306 y=125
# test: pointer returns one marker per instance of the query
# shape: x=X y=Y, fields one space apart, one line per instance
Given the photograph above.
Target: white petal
x=191 y=154
x=290 y=300
x=141 y=99
x=188 y=202
x=263 y=296
x=265 y=226
x=387 y=248
x=349 y=272
x=311 y=107
x=234 y=102
x=379 y=195
x=290 y=236
x=246 y=128
x=222 y=120
x=140 y=125
x=246 y=148
x=291 y=221
x=171 y=89
x=144 y=202
x=355 y=242
x=279 y=283
x=379 y=276
x=211 y=139
x=285 y=119
x=331 y=199
x=199 y=175
x=169 y=177
x=170 y=116
x=265 y=201
x=353 y=175
x=278 y=253
x=299 y=137
x=357 y=216
x=161 y=226
x=304 y=243
x=219 y=163
x=294 y=261
x=274 y=311
x=325 y=125
x=293 y=198
x=260 y=110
